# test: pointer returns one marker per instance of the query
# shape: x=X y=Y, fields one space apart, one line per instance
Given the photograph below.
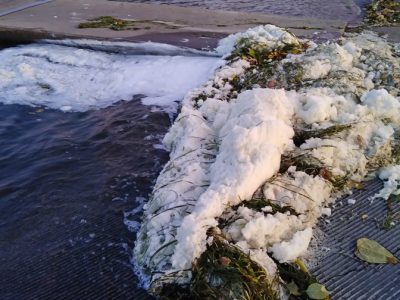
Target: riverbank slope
x=182 y=26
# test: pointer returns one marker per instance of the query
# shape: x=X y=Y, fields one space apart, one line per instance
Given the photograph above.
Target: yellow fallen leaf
x=373 y=252
x=293 y=289
x=355 y=185
x=317 y=291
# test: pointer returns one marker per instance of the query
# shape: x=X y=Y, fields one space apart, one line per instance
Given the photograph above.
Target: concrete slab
x=393 y=32
x=60 y=19
x=10 y=6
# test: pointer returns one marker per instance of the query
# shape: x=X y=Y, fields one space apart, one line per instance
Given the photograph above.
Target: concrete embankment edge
x=192 y=27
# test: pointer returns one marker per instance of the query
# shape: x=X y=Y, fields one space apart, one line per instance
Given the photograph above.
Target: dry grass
x=223 y=271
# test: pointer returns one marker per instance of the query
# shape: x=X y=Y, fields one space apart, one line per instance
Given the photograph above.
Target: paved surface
x=11 y=6
x=60 y=18
x=393 y=33
x=340 y=270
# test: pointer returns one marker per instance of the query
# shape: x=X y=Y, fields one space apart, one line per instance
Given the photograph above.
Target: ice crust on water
x=73 y=79
x=226 y=146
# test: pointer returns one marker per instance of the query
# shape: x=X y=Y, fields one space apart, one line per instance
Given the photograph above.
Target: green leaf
x=301 y=265
x=373 y=252
x=252 y=53
x=395 y=197
x=317 y=291
x=293 y=289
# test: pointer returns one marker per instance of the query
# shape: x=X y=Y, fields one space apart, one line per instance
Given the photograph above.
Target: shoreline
x=196 y=28
x=173 y=25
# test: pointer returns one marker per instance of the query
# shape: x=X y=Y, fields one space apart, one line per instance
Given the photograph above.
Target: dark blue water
x=66 y=180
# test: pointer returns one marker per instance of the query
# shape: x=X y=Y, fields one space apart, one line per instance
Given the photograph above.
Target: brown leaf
x=360 y=141
x=392 y=260
x=325 y=173
x=271 y=83
x=225 y=261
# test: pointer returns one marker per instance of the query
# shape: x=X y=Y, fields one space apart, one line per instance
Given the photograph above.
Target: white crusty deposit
x=230 y=145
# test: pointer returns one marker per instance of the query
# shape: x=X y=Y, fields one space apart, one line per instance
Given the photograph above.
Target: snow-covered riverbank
x=260 y=151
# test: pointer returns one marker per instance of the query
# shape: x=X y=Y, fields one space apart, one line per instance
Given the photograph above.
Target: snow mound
x=267 y=35
x=260 y=152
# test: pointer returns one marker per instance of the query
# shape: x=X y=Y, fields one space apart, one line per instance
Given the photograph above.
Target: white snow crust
x=295 y=247
x=256 y=132
x=391 y=178
x=268 y=35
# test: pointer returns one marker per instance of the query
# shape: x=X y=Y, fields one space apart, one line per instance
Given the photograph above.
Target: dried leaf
x=373 y=252
x=355 y=185
x=296 y=51
x=360 y=141
x=225 y=261
x=317 y=291
x=293 y=289
x=325 y=174
x=272 y=83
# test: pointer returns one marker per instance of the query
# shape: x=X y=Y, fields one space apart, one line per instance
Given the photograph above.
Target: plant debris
x=302 y=135
x=383 y=12
x=293 y=289
x=392 y=216
x=225 y=272
x=301 y=285
x=264 y=61
x=259 y=54
x=123 y=24
x=317 y=291
x=106 y=22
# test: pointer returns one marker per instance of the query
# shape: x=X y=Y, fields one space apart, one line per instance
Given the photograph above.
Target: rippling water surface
x=66 y=182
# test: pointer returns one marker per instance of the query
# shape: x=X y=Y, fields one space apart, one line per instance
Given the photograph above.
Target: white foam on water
x=73 y=79
x=143 y=48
